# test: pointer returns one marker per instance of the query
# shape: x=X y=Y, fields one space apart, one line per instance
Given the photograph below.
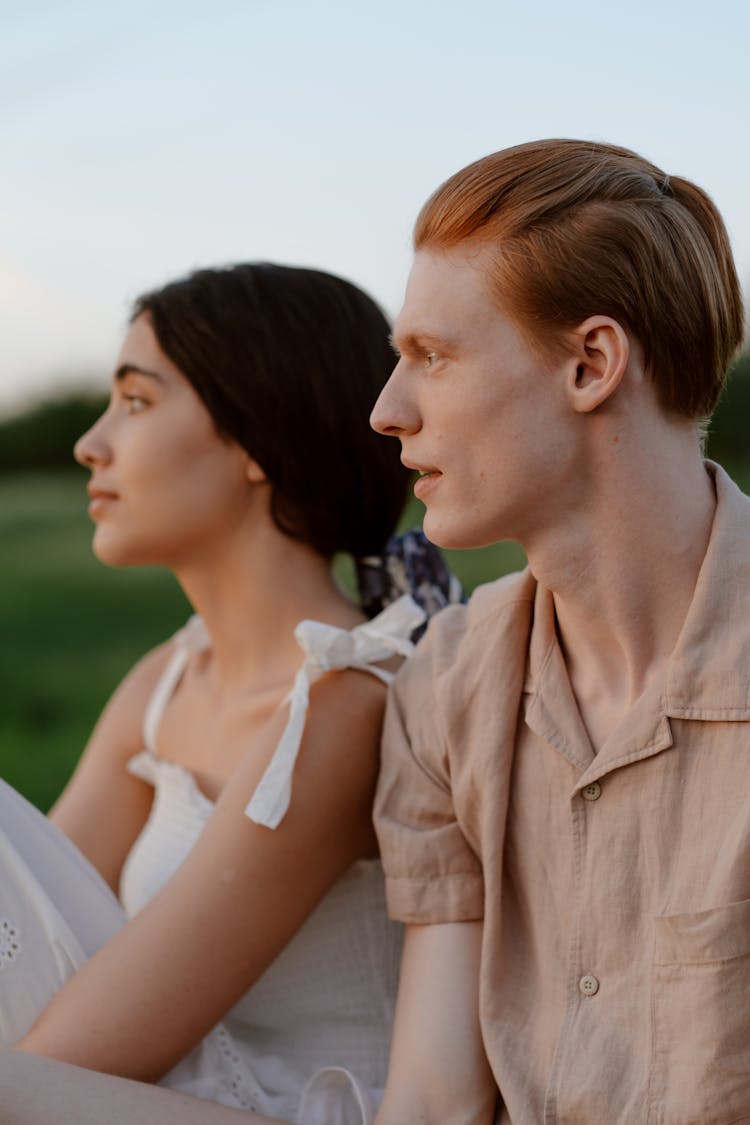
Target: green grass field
x=70 y=628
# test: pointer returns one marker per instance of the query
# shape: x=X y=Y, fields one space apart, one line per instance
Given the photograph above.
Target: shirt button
x=588 y=985
x=592 y=792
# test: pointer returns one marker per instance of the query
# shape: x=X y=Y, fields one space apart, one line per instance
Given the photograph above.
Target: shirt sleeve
x=432 y=872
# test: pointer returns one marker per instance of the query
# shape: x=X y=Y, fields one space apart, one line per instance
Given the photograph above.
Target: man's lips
x=423 y=470
x=428 y=478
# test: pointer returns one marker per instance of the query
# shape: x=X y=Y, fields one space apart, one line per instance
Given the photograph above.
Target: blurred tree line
x=43 y=436
x=729 y=430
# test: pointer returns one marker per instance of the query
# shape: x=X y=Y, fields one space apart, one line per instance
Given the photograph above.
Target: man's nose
x=394 y=413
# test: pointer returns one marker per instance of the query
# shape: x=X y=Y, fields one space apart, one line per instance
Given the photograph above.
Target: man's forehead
x=447 y=294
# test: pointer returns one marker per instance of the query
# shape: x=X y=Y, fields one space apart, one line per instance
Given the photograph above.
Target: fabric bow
x=326 y=649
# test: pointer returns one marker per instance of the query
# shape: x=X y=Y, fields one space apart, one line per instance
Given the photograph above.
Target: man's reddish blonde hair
x=578 y=228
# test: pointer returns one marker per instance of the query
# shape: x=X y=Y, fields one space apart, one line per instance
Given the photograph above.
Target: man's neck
x=622 y=572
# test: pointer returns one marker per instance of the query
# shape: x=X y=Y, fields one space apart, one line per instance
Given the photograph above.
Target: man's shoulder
x=496 y=617
x=496 y=597
x=457 y=697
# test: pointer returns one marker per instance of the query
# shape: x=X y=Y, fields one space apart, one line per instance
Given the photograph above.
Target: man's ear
x=596 y=363
x=253 y=471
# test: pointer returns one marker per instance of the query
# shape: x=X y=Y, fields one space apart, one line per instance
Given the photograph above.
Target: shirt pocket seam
x=700 y=947
x=706 y=937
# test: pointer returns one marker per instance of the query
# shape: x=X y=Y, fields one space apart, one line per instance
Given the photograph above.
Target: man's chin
x=442 y=534
x=457 y=534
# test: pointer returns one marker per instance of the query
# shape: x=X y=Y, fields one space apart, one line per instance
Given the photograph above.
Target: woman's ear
x=597 y=362
x=254 y=472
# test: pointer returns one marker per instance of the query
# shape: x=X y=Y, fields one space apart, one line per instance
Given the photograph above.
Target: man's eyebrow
x=418 y=341
x=126 y=369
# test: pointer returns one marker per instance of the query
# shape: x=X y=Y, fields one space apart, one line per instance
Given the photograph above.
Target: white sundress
x=309 y=1042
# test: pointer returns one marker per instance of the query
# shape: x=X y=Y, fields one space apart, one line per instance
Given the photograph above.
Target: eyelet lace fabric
x=244 y=1092
x=10 y=942
x=55 y=911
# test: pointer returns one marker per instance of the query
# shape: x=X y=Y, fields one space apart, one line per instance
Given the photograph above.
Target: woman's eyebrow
x=126 y=369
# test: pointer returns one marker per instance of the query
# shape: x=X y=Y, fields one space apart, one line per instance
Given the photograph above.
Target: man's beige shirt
x=615 y=888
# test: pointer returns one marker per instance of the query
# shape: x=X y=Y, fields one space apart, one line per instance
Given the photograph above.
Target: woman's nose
x=394 y=413
x=92 y=448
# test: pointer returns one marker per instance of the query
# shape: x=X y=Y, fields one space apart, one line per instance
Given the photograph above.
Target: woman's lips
x=99 y=500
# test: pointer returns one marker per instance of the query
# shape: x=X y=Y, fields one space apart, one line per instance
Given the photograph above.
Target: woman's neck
x=251 y=591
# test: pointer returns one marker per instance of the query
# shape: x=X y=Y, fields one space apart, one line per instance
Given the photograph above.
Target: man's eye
x=430 y=359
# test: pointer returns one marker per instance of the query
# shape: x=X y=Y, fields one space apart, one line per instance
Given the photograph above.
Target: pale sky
x=141 y=139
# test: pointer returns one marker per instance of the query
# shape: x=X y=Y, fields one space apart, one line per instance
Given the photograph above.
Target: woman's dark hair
x=289 y=363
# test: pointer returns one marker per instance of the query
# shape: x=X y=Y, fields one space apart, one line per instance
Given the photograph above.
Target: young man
x=563 y=809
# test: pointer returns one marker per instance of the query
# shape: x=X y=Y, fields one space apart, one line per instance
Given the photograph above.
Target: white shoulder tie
x=326 y=648
x=192 y=637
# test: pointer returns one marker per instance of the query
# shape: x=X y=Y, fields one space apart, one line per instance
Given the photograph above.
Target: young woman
x=224 y=797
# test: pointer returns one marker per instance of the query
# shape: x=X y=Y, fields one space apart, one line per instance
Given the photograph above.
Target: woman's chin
x=112 y=552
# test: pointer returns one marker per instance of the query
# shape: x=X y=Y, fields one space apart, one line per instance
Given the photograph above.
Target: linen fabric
x=614 y=887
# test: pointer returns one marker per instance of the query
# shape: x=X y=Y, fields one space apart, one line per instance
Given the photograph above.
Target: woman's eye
x=135 y=403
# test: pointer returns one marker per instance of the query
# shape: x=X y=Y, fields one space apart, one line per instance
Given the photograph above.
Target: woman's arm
x=44 y=1092
x=439 y=1073
x=103 y=807
x=173 y=971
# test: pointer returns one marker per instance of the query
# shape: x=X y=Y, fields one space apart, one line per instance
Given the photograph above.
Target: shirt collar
x=708 y=675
